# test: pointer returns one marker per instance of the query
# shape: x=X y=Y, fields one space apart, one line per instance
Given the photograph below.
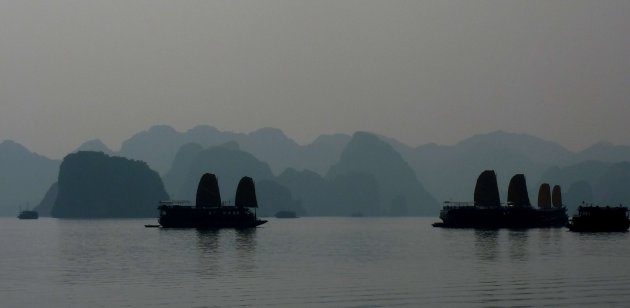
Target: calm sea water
x=335 y=262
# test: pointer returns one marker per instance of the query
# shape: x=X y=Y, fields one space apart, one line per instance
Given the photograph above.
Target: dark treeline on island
x=336 y=175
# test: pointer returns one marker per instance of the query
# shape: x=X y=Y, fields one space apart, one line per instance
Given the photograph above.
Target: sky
x=418 y=71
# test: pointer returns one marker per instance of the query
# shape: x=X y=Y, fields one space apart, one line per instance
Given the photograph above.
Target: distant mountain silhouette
x=592 y=181
x=613 y=186
x=358 y=193
x=159 y=145
x=312 y=190
x=44 y=208
x=447 y=172
x=604 y=151
x=274 y=197
x=342 y=195
x=94 y=145
x=176 y=176
x=450 y=172
x=227 y=162
x=577 y=193
x=156 y=146
x=96 y=185
x=323 y=152
x=368 y=154
x=24 y=177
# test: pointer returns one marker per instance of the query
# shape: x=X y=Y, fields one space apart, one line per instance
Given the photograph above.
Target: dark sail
x=487 y=190
x=556 y=196
x=208 y=194
x=544 y=196
x=246 y=193
x=517 y=191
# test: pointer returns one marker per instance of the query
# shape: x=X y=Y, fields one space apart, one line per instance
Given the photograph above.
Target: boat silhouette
x=487 y=212
x=600 y=219
x=209 y=211
x=28 y=214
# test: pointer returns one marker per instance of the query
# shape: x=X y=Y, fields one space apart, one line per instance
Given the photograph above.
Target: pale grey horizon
x=418 y=71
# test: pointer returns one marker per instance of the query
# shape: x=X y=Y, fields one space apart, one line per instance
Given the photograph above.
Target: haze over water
x=418 y=71
x=334 y=262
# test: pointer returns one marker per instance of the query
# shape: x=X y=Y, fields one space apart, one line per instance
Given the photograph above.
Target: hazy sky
x=419 y=71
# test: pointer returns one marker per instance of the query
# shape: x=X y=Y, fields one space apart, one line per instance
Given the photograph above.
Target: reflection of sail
x=544 y=196
x=518 y=245
x=556 y=197
x=517 y=191
x=209 y=248
x=486 y=244
x=246 y=193
x=208 y=194
x=487 y=190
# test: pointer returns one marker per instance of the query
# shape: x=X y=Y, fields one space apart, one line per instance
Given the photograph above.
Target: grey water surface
x=304 y=262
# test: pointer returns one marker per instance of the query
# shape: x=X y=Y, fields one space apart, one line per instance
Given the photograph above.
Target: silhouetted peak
x=10 y=150
x=603 y=144
x=367 y=144
x=161 y=129
x=10 y=146
x=269 y=132
x=186 y=153
x=606 y=151
x=364 y=136
x=95 y=145
x=203 y=129
x=507 y=139
x=292 y=173
x=331 y=139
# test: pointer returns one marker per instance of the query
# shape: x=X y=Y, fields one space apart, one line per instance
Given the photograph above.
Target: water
x=333 y=262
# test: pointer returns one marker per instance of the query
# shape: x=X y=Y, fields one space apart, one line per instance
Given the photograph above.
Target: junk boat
x=487 y=212
x=209 y=212
x=600 y=219
x=28 y=214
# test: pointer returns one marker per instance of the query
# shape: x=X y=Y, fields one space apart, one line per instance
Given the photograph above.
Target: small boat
x=285 y=214
x=600 y=219
x=209 y=212
x=28 y=214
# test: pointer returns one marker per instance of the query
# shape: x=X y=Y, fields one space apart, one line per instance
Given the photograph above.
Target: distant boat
x=209 y=212
x=28 y=214
x=600 y=219
x=487 y=212
x=286 y=214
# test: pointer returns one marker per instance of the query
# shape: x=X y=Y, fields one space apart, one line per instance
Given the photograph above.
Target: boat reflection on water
x=518 y=240
x=486 y=244
x=208 y=241
x=516 y=248
x=223 y=251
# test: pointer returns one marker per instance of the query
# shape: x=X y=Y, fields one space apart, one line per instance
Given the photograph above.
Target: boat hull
x=598 y=228
x=28 y=215
x=600 y=219
x=502 y=217
x=207 y=218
